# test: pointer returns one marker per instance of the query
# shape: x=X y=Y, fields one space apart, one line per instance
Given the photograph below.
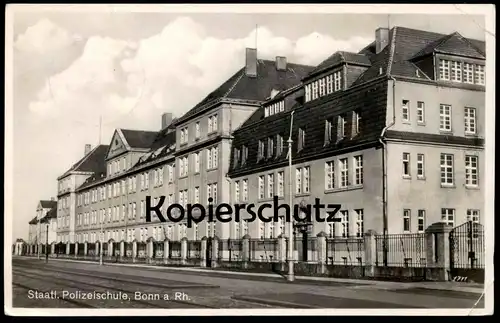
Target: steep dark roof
x=338 y=58
x=453 y=44
x=92 y=162
x=33 y=221
x=48 y=204
x=139 y=138
x=242 y=87
x=370 y=100
x=52 y=214
x=406 y=44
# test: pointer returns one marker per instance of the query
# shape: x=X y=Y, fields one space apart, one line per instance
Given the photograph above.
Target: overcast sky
x=72 y=68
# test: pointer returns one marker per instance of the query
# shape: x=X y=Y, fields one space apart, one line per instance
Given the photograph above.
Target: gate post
x=166 y=245
x=370 y=247
x=203 y=252
x=438 y=251
x=322 y=251
x=282 y=251
x=215 y=251
x=134 y=250
x=76 y=250
x=184 y=251
x=245 y=248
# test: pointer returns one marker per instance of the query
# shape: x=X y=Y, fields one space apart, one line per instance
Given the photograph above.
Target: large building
x=393 y=133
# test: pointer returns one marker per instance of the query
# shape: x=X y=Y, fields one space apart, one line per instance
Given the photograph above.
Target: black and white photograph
x=244 y=159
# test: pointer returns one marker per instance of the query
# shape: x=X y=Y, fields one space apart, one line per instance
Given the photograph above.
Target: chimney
x=251 y=62
x=281 y=63
x=88 y=148
x=381 y=39
x=166 y=120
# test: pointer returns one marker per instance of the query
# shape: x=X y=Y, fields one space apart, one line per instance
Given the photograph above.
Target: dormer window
x=237 y=156
x=356 y=121
x=244 y=155
x=328 y=131
x=279 y=145
x=270 y=147
x=302 y=139
x=274 y=108
x=324 y=86
x=261 y=150
x=184 y=136
x=461 y=72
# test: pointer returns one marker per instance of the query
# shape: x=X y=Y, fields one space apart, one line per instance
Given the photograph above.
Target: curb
x=272 y=302
x=299 y=279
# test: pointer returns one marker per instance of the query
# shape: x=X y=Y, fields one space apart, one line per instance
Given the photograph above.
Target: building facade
x=394 y=134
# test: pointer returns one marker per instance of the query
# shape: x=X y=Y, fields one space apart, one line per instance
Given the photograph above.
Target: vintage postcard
x=246 y=159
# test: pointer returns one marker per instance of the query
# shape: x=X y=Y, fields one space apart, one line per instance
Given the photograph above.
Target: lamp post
x=47 y=242
x=291 y=275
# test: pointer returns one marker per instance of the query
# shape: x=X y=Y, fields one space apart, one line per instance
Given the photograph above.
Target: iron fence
x=142 y=250
x=402 y=250
x=158 y=249
x=230 y=250
x=175 y=250
x=194 y=249
x=467 y=246
x=265 y=250
x=345 y=251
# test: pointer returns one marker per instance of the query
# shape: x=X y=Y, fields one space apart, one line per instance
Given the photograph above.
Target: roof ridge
x=136 y=130
x=234 y=84
x=470 y=43
x=84 y=158
x=391 y=51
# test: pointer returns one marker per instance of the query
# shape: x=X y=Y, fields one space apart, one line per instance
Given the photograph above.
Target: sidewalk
x=362 y=283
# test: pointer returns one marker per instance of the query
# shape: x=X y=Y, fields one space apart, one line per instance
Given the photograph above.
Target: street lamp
x=47 y=242
x=291 y=275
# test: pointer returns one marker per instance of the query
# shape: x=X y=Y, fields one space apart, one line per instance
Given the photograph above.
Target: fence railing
x=467 y=246
x=194 y=249
x=345 y=251
x=265 y=250
x=403 y=250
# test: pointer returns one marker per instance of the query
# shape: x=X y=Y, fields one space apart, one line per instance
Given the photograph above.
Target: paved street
x=63 y=284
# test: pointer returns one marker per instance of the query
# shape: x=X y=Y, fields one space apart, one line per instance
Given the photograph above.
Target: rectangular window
x=270 y=185
x=444 y=70
x=406 y=165
x=314 y=90
x=279 y=145
x=322 y=87
x=420 y=166
x=244 y=154
x=406 y=221
x=468 y=73
x=270 y=147
x=447 y=169
x=280 y=184
x=237 y=191
x=197 y=131
x=420 y=112
x=421 y=221
x=445 y=117
x=456 y=71
x=358 y=170
x=479 y=76
x=298 y=180
x=308 y=92
x=357 y=122
x=331 y=230
x=473 y=215
x=245 y=190
x=337 y=77
x=344 y=172
x=329 y=175
x=405 y=110
x=470 y=121
x=261 y=149
x=448 y=216
x=197 y=162
x=197 y=194
x=344 y=223
x=328 y=131
x=359 y=223
x=302 y=180
x=302 y=139
x=261 y=187
x=471 y=171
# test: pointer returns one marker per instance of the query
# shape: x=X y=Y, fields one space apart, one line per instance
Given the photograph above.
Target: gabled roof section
x=48 y=204
x=139 y=138
x=92 y=162
x=339 y=58
x=452 y=44
x=243 y=87
x=33 y=221
x=52 y=214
